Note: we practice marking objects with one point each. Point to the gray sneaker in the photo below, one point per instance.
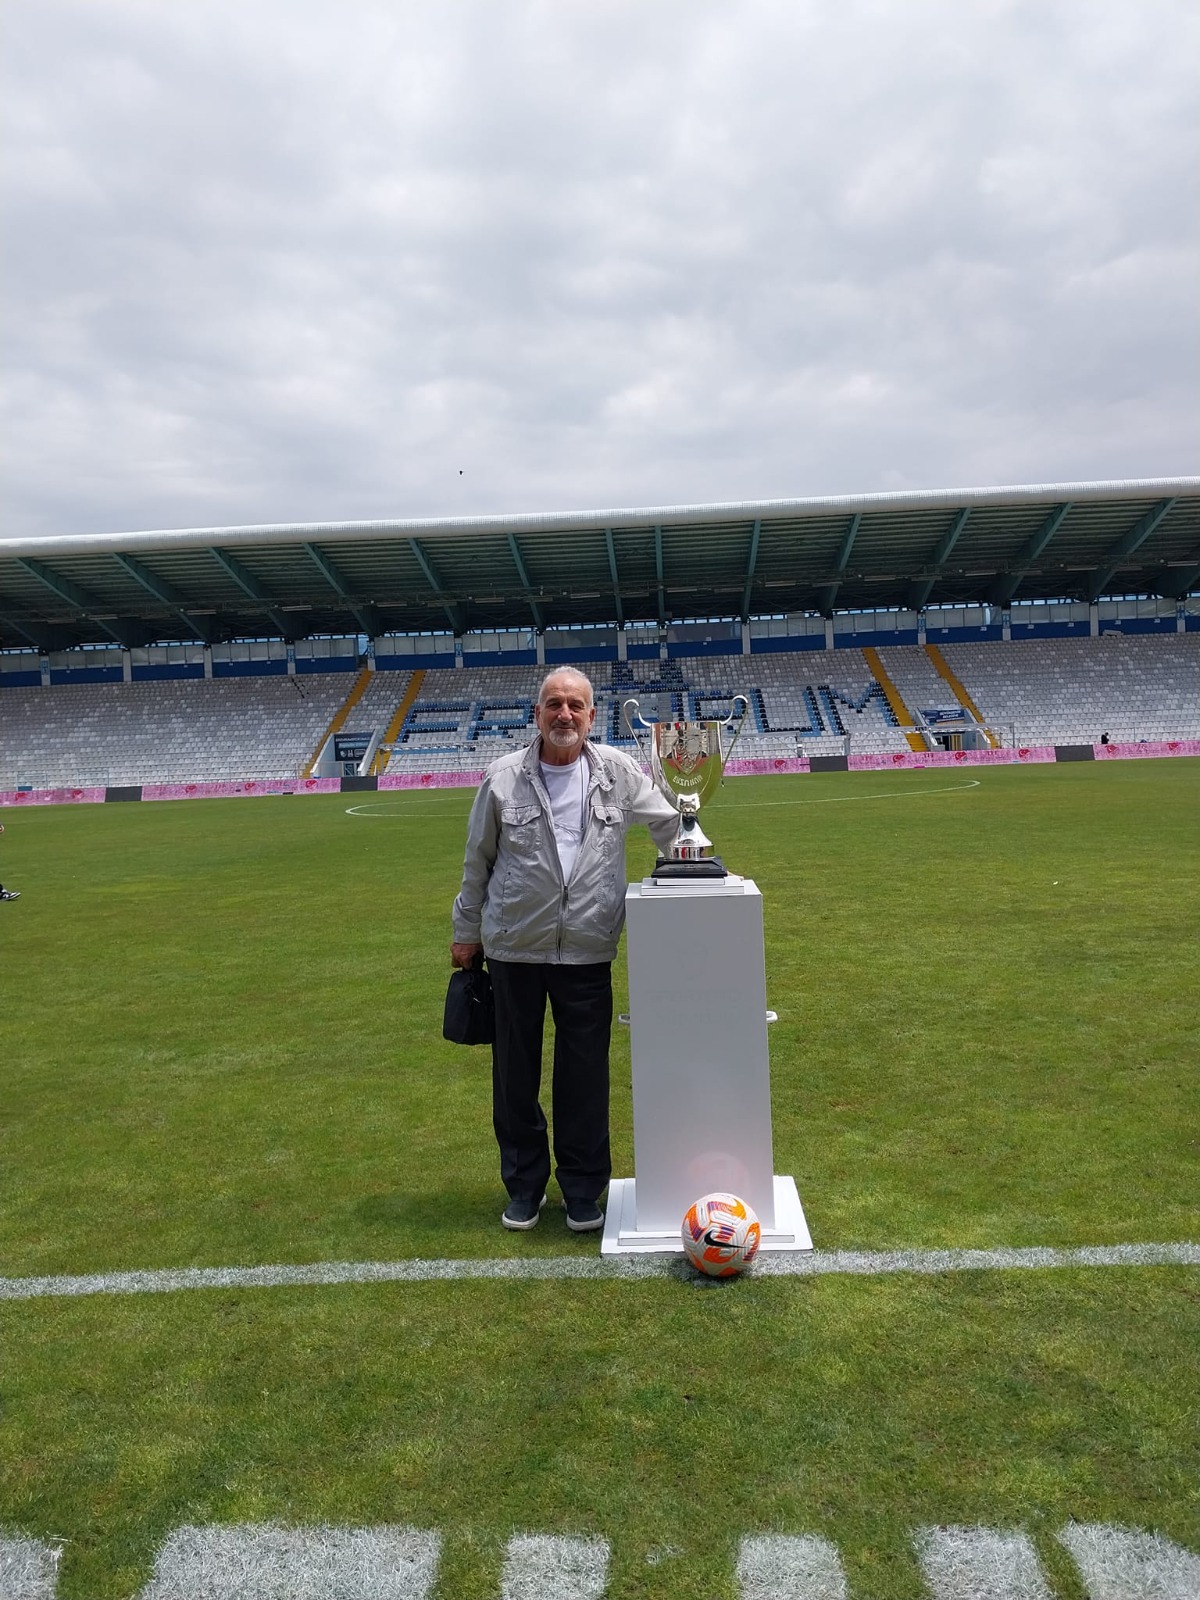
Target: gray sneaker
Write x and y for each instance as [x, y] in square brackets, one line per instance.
[583, 1216]
[522, 1214]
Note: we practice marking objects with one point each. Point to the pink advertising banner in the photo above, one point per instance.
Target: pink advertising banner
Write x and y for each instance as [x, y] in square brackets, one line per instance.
[431, 780]
[906, 760]
[896, 760]
[763, 766]
[1152, 747]
[91, 795]
[213, 790]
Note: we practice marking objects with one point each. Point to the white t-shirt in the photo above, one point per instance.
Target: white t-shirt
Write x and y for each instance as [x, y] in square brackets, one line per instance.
[567, 788]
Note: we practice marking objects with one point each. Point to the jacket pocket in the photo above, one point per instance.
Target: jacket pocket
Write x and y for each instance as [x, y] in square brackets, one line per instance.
[521, 830]
[609, 825]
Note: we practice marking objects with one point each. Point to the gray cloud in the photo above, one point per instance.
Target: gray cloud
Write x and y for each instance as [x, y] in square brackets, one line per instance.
[278, 260]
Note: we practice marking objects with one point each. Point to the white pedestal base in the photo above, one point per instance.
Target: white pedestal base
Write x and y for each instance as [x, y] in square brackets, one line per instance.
[622, 1236]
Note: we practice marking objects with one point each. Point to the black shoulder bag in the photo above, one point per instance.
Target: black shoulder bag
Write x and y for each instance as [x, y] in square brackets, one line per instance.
[470, 1015]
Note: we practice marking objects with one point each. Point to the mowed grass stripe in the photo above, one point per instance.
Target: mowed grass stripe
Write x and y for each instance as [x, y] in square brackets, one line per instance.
[221, 1033]
[220, 1043]
[781, 1264]
[857, 1408]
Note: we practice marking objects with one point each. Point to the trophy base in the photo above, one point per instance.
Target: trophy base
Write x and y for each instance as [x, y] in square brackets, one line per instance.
[707, 867]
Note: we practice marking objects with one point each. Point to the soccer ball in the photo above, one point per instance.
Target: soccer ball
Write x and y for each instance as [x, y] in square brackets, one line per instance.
[721, 1235]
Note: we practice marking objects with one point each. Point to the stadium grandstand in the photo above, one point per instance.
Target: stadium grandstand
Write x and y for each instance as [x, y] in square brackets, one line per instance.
[983, 624]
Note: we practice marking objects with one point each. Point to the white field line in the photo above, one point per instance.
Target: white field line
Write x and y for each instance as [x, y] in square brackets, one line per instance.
[790, 1567]
[374, 809]
[539, 1566]
[271, 1562]
[28, 1569]
[841, 799]
[981, 1564]
[1127, 1564]
[781, 1264]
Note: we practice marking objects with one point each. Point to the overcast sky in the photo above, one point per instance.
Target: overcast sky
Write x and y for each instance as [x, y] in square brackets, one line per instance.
[298, 260]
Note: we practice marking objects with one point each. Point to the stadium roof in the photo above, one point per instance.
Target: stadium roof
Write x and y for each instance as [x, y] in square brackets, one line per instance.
[667, 563]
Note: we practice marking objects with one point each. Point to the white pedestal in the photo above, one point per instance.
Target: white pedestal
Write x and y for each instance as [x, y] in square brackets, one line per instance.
[701, 1075]
[622, 1236]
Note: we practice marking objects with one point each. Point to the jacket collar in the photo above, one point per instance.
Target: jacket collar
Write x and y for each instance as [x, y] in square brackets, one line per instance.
[600, 776]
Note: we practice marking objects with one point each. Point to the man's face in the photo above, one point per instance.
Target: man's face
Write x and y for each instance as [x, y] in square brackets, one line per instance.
[564, 717]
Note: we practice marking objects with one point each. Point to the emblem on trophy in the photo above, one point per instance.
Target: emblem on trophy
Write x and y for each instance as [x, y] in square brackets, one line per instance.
[686, 761]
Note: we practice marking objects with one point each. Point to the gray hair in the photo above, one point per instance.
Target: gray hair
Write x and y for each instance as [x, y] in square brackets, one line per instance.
[567, 672]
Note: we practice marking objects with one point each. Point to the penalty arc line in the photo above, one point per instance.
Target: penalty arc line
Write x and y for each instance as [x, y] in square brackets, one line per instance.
[371, 809]
[782, 1264]
[841, 799]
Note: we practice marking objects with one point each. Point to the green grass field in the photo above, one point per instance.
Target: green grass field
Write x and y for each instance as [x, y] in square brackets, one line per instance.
[220, 1045]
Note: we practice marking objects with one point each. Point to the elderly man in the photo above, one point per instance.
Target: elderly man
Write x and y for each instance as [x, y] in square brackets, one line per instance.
[8, 894]
[543, 896]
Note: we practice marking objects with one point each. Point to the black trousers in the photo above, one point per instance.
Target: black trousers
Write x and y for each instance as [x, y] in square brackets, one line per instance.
[581, 1005]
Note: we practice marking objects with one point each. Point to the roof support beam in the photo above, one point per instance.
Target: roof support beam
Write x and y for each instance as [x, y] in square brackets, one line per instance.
[658, 569]
[539, 618]
[920, 591]
[365, 615]
[249, 585]
[1176, 582]
[1006, 584]
[616, 578]
[1125, 547]
[751, 563]
[40, 637]
[458, 621]
[66, 590]
[827, 594]
[170, 596]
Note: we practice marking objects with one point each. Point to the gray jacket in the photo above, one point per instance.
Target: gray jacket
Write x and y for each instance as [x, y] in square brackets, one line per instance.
[513, 899]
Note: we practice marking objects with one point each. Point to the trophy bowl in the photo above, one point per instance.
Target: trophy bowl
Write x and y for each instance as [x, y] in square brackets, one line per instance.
[687, 761]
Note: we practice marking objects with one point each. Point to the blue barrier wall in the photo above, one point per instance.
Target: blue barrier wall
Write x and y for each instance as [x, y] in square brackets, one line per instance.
[594, 652]
[249, 669]
[20, 680]
[963, 635]
[1050, 630]
[322, 664]
[165, 672]
[413, 663]
[704, 647]
[84, 675]
[807, 641]
[1138, 625]
[883, 637]
[498, 658]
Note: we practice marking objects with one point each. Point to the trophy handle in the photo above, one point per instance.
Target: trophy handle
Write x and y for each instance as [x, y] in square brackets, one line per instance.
[633, 731]
[741, 720]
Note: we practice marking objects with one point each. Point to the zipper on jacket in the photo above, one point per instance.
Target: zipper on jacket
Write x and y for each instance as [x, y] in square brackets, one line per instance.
[562, 917]
[543, 800]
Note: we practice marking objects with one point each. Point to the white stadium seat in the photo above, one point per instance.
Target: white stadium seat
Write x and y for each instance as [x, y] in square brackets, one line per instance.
[1041, 691]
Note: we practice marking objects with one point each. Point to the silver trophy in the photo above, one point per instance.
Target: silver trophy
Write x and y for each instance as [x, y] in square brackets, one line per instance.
[686, 762]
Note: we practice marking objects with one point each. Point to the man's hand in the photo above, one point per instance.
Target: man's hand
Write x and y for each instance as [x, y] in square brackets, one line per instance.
[463, 955]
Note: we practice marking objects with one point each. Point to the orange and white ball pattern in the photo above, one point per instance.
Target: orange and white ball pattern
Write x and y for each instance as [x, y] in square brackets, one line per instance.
[721, 1235]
